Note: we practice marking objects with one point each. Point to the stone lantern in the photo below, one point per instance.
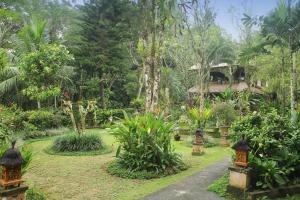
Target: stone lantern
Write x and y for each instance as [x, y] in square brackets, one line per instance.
[11, 179]
[241, 152]
[198, 143]
[240, 173]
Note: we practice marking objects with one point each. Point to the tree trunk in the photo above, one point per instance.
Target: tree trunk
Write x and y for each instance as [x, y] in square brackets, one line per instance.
[283, 82]
[156, 83]
[73, 120]
[39, 104]
[101, 90]
[55, 102]
[293, 89]
[141, 82]
[148, 83]
[167, 94]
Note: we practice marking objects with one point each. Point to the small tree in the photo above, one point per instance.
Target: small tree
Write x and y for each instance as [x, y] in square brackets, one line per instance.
[39, 71]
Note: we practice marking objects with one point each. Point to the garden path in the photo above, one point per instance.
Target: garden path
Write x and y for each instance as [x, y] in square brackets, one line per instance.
[193, 187]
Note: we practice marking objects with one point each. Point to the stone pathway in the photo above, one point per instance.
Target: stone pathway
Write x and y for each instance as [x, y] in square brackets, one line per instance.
[193, 187]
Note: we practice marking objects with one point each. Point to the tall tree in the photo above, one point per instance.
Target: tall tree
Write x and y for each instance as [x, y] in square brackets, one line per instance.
[155, 16]
[104, 31]
[39, 71]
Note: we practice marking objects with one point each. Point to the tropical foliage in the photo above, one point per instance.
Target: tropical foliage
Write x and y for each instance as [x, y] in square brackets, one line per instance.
[75, 142]
[274, 144]
[145, 144]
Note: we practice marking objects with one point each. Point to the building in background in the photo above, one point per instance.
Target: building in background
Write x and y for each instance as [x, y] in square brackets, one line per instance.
[224, 76]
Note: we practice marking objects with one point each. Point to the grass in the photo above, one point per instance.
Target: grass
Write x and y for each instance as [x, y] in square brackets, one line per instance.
[85, 177]
[220, 188]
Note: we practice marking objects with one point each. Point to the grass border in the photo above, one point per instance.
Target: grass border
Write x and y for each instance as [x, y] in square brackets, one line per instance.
[104, 150]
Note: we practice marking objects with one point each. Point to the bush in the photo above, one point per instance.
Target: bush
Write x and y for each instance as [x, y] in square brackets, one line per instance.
[275, 147]
[137, 103]
[41, 119]
[4, 133]
[33, 194]
[224, 113]
[46, 133]
[145, 145]
[104, 115]
[33, 120]
[75, 142]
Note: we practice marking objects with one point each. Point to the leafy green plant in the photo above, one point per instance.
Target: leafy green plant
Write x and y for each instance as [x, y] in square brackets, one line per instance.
[32, 121]
[27, 155]
[4, 133]
[145, 144]
[40, 71]
[199, 119]
[274, 143]
[137, 103]
[75, 142]
[224, 113]
[42, 119]
[103, 116]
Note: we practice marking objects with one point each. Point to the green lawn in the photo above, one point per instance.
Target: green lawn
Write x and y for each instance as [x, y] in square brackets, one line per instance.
[84, 177]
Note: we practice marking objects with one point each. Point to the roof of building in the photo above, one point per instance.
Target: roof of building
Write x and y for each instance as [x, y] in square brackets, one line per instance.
[242, 144]
[12, 157]
[220, 65]
[219, 88]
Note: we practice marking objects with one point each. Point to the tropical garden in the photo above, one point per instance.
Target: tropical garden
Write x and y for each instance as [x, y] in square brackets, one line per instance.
[117, 99]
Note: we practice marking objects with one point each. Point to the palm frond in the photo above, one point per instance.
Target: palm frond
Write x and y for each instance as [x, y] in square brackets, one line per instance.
[8, 84]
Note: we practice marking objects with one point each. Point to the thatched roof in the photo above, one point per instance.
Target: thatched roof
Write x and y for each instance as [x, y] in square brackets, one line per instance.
[242, 144]
[219, 88]
[12, 157]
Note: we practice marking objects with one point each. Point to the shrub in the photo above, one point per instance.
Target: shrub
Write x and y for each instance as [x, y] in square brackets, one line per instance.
[18, 120]
[145, 145]
[42, 119]
[4, 133]
[224, 113]
[104, 115]
[74, 142]
[34, 194]
[275, 147]
[137, 103]
[46, 133]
